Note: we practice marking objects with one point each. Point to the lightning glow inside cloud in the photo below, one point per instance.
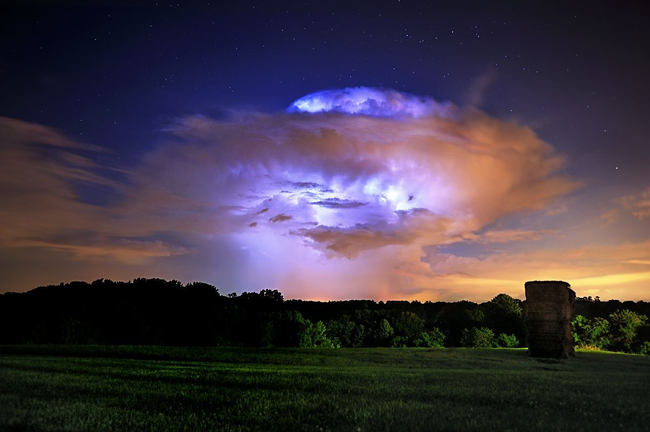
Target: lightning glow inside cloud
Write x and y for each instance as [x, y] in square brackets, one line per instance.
[351, 193]
[371, 102]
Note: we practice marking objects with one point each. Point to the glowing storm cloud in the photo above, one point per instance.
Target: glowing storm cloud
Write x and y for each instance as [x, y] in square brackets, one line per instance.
[369, 168]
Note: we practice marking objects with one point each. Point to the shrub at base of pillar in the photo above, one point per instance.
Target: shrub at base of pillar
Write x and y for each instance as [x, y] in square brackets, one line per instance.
[548, 311]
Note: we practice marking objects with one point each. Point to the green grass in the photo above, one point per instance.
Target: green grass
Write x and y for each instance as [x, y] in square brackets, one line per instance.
[192, 389]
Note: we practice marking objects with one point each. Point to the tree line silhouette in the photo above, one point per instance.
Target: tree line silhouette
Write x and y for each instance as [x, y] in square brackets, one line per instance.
[160, 312]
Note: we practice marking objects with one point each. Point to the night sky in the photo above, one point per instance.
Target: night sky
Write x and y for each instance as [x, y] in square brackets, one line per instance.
[385, 150]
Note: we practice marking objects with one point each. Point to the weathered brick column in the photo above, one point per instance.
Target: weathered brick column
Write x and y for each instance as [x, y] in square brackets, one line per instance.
[548, 311]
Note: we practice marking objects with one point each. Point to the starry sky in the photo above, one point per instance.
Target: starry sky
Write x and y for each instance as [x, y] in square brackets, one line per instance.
[330, 150]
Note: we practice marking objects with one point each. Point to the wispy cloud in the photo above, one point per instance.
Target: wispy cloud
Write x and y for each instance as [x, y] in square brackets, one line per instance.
[638, 204]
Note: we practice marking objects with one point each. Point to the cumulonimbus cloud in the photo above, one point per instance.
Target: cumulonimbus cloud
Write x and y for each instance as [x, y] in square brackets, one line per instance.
[368, 175]
[347, 182]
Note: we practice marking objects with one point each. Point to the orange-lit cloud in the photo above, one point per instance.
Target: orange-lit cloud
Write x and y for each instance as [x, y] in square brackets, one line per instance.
[638, 204]
[41, 207]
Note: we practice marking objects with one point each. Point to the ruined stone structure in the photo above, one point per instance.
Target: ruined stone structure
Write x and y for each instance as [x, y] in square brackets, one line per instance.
[548, 311]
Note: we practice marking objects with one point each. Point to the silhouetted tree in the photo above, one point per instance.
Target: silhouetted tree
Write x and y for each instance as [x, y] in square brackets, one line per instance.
[430, 339]
[625, 325]
[591, 332]
[383, 333]
[345, 332]
[478, 337]
[315, 336]
[503, 314]
[507, 341]
[408, 325]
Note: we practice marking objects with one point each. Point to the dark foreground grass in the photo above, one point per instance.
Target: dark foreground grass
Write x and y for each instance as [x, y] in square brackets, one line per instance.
[195, 389]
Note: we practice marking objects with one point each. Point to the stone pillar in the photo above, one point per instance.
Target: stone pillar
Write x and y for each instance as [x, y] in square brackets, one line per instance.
[548, 311]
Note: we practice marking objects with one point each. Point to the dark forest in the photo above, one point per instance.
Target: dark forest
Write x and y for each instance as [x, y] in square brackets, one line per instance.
[160, 312]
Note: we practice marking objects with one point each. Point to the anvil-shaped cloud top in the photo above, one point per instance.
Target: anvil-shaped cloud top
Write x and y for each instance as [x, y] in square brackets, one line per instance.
[370, 101]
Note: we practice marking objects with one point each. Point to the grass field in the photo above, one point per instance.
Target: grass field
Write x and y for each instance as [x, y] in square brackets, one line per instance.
[45, 388]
